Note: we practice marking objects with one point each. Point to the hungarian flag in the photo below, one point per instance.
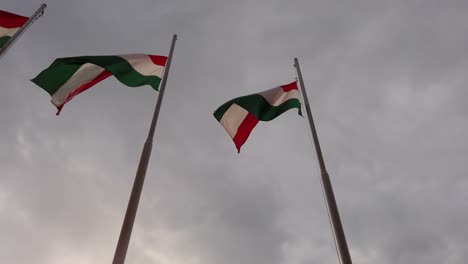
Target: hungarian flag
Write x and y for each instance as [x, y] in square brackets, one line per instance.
[9, 24]
[240, 115]
[68, 77]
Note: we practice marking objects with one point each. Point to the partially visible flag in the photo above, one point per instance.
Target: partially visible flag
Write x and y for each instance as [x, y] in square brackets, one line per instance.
[68, 77]
[9, 24]
[240, 115]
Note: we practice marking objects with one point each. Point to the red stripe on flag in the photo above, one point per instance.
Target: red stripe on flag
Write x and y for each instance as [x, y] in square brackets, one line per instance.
[289, 87]
[10, 20]
[84, 87]
[243, 132]
[158, 60]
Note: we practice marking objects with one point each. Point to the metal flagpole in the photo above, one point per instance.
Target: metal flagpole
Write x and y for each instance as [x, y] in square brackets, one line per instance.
[126, 231]
[325, 179]
[18, 34]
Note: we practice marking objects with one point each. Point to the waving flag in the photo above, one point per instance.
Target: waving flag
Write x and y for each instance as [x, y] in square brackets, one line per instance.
[240, 115]
[68, 77]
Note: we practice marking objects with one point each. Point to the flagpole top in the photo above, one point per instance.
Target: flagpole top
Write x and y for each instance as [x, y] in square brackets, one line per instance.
[296, 61]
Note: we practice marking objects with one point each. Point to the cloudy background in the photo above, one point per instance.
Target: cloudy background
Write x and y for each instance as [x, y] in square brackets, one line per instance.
[387, 82]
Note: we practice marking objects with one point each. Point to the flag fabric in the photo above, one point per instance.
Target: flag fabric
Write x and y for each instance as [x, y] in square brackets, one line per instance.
[240, 115]
[68, 77]
[9, 24]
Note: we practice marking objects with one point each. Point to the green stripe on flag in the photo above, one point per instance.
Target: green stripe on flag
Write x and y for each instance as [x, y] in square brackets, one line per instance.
[4, 40]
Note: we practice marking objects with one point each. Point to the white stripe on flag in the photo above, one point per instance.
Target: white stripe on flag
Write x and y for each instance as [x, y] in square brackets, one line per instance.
[233, 118]
[85, 74]
[8, 31]
[143, 64]
[277, 96]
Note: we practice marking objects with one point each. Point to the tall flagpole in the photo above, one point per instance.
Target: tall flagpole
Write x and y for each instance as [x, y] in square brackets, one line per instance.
[325, 179]
[127, 226]
[26, 25]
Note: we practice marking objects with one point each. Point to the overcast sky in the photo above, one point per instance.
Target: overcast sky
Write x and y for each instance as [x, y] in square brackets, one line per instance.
[387, 82]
